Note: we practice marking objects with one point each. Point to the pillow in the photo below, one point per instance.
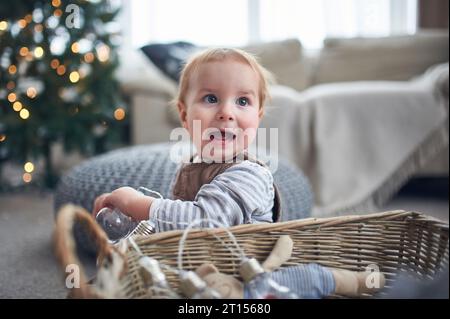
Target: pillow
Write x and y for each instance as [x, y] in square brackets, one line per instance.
[137, 73]
[170, 57]
[284, 59]
[394, 58]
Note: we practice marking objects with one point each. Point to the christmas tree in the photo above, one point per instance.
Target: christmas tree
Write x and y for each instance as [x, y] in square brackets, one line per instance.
[57, 85]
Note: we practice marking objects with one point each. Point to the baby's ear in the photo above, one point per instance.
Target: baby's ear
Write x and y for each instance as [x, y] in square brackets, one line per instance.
[182, 113]
[206, 269]
[261, 112]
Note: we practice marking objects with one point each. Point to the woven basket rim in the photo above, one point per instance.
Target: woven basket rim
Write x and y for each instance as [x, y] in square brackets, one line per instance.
[174, 235]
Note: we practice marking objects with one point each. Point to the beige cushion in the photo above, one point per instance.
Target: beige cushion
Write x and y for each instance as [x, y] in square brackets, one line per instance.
[136, 73]
[284, 59]
[389, 58]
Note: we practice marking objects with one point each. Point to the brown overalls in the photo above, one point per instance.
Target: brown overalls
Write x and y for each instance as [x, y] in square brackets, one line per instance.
[192, 176]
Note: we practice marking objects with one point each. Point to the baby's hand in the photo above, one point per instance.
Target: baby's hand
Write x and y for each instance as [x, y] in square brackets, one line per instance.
[126, 199]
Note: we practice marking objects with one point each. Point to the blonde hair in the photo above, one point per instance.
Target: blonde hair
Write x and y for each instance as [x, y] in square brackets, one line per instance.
[221, 54]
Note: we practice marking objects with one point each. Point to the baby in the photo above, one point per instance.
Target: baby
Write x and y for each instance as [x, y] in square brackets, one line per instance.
[220, 103]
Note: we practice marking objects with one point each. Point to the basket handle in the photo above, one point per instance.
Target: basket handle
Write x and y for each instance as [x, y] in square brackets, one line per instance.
[65, 245]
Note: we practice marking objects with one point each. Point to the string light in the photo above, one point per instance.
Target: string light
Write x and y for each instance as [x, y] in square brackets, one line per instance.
[103, 53]
[56, 3]
[83, 71]
[3, 25]
[38, 28]
[27, 177]
[74, 77]
[28, 18]
[119, 114]
[31, 92]
[10, 85]
[61, 70]
[12, 97]
[17, 106]
[22, 23]
[38, 52]
[28, 167]
[89, 57]
[23, 51]
[24, 114]
[2, 138]
[54, 63]
[57, 13]
[12, 69]
[75, 47]
[29, 57]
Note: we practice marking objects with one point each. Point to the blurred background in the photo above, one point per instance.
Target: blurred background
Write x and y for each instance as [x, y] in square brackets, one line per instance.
[73, 78]
[360, 100]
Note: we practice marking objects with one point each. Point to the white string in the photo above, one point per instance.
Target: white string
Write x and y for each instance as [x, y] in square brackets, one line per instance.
[198, 221]
[135, 246]
[143, 189]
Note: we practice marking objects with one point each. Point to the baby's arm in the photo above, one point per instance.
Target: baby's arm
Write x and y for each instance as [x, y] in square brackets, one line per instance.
[128, 200]
[243, 193]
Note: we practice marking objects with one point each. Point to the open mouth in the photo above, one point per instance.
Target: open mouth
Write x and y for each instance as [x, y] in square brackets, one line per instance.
[222, 136]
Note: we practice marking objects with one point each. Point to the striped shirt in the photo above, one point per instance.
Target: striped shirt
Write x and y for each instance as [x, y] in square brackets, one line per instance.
[242, 194]
[308, 281]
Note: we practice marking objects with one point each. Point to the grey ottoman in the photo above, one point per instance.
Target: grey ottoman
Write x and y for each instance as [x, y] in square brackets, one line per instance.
[151, 167]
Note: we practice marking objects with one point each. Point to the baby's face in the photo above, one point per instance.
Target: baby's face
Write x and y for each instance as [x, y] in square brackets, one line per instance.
[221, 110]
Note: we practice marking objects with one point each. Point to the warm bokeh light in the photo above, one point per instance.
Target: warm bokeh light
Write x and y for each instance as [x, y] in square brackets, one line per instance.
[3, 25]
[22, 23]
[2, 138]
[12, 97]
[103, 53]
[23, 51]
[38, 52]
[17, 106]
[10, 85]
[119, 114]
[29, 57]
[56, 3]
[24, 114]
[28, 18]
[31, 92]
[28, 167]
[54, 63]
[27, 177]
[89, 57]
[61, 70]
[12, 69]
[38, 28]
[75, 47]
[57, 13]
[74, 77]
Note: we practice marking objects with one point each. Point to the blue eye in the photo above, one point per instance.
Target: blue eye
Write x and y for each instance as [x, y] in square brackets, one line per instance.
[210, 98]
[243, 101]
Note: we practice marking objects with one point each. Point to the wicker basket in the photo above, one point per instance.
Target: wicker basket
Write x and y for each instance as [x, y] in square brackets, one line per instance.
[396, 241]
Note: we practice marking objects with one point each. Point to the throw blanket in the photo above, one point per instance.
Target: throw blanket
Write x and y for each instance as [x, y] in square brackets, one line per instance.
[359, 142]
